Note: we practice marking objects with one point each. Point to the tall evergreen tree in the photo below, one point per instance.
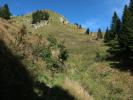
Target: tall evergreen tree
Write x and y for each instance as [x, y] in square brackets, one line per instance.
[131, 6]
[99, 34]
[88, 31]
[5, 12]
[107, 36]
[115, 27]
[126, 36]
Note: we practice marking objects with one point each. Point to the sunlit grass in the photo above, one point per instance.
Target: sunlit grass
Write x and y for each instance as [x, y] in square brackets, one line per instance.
[96, 77]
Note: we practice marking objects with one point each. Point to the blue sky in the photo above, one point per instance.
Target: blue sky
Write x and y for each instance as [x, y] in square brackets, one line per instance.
[89, 13]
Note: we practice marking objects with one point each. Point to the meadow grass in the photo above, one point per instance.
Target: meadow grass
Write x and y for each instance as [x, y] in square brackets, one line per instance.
[97, 78]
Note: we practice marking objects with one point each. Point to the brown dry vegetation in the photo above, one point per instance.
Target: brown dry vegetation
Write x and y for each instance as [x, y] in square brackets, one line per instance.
[76, 90]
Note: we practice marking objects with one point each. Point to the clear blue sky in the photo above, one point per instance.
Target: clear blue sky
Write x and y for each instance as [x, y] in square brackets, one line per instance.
[89, 13]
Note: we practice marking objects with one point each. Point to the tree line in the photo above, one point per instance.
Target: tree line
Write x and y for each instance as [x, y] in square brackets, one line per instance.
[99, 33]
[120, 36]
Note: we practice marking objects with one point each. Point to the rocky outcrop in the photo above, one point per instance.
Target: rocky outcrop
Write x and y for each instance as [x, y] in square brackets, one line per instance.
[41, 24]
[63, 20]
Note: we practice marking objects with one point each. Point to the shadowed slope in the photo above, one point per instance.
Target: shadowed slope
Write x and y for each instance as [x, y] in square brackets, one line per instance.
[16, 81]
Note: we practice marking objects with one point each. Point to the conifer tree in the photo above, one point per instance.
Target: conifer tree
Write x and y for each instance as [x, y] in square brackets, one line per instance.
[88, 31]
[121, 48]
[107, 36]
[99, 34]
[115, 27]
[5, 12]
[126, 36]
[131, 6]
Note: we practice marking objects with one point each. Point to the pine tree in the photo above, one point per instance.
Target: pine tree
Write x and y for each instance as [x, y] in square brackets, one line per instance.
[107, 36]
[115, 27]
[88, 31]
[99, 34]
[5, 12]
[111, 37]
[126, 36]
[131, 6]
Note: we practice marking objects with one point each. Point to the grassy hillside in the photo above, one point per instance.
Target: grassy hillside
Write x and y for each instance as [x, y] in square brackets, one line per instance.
[86, 76]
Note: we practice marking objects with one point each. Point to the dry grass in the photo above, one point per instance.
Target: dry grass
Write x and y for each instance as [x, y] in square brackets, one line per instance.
[7, 31]
[75, 89]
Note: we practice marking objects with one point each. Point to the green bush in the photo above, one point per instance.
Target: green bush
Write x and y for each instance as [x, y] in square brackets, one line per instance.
[55, 64]
[39, 15]
[99, 57]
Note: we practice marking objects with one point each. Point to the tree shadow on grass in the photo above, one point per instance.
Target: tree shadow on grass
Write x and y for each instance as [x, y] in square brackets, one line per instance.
[119, 61]
[123, 66]
[54, 93]
[17, 84]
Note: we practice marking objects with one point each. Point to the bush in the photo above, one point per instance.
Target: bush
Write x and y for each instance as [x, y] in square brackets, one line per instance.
[39, 16]
[99, 57]
[54, 54]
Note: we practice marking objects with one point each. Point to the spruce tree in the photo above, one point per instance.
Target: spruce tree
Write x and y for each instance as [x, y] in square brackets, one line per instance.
[5, 12]
[131, 6]
[126, 36]
[99, 34]
[121, 46]
[115, 27]
[107, 36]
[88, 31]
[112, 37]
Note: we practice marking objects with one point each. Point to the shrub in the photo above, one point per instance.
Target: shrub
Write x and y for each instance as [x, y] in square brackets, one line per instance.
[99, 57]
[63, 52]
[39, 15]
[54, 54]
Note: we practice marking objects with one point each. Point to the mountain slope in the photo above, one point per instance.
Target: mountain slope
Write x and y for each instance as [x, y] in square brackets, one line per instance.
[86, 71]
[22, 42]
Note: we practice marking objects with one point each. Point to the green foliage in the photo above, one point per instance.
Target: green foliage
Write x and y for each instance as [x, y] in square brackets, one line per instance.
[63, 52]
[99, 57]
[52, 41]
[5, 12]
[121, 48]
[126, 36]
[107, 36]
[54, 63]
[115, 26]
[115, 29]
[88, 31]
[99, 34]
[39, 15]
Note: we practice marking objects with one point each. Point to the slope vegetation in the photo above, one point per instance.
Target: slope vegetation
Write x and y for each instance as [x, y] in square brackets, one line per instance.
[86, 72]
